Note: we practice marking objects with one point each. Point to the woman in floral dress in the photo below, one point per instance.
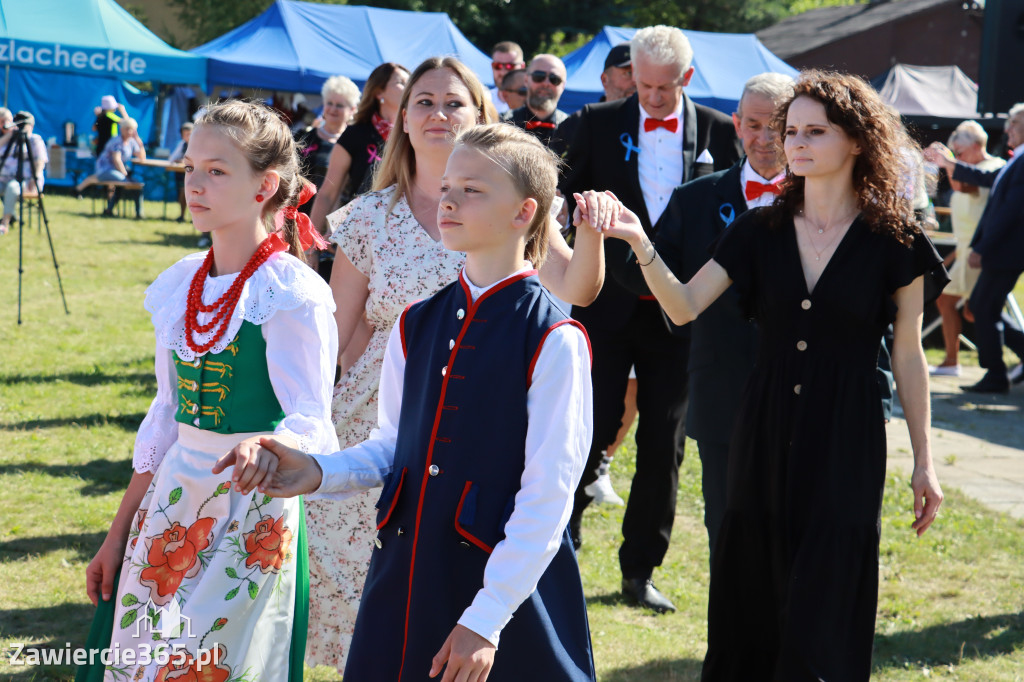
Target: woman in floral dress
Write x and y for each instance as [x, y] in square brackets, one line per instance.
[200, 578]
[389, 255]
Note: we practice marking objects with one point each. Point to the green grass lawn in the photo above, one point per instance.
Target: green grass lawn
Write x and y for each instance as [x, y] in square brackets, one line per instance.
[73, 389]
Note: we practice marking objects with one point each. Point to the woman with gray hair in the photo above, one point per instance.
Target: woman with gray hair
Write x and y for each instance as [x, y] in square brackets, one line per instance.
[966, 205]
[340, 98]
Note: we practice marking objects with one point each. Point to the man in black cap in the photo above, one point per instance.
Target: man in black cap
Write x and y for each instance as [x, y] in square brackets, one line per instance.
[617, 77]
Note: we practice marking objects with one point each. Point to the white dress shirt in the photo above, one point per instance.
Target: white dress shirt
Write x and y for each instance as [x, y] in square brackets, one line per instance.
[751, 175]
[559, 407]
[660, 162]
[294, 309]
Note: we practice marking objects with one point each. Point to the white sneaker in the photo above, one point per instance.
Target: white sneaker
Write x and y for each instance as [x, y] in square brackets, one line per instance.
[602, 492]
[944, 370]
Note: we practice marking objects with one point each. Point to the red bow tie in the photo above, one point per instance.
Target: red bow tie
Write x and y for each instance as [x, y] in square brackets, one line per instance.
[530, 125]
[670, 125]
[755, 189]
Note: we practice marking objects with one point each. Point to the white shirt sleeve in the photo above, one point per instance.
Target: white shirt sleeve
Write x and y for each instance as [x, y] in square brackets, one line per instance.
[560, 411]
[304, 381]
[364, 466]
[158, 430]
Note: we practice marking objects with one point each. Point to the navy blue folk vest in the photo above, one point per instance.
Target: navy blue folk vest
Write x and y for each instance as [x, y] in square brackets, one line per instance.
[459, 459]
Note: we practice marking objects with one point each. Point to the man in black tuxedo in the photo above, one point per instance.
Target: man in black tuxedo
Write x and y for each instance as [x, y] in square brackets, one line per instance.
[723, 342]
[641, 148]
[998, 249]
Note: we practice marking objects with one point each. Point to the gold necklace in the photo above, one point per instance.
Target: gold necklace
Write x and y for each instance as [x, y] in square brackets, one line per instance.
[810, 240]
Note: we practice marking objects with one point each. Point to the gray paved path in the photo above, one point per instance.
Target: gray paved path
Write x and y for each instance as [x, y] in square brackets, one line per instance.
[977, 442]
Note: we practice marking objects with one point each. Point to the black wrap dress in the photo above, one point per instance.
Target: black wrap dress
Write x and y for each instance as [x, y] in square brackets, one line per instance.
[794, 577]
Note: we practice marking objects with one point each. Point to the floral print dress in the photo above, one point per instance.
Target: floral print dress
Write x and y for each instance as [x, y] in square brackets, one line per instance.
[213, 584]
[404, 264]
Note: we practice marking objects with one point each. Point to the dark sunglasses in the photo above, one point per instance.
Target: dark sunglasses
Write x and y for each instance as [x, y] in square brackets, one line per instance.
[522, 92]
[506, 66]
[539, 76]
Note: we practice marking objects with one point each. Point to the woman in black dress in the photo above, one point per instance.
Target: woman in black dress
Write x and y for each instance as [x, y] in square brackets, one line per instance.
[835, 260]
[362, 143]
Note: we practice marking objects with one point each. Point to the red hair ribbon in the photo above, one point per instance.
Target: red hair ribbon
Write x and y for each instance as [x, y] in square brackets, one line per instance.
[308, 235]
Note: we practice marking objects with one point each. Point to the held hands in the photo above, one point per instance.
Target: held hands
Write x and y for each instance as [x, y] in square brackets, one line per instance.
[269, 463]
[469, 656]
[598, 210]
[611, 217]
[927, 498]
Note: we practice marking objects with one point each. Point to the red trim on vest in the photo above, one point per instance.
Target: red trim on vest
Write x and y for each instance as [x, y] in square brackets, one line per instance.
[540, 346]
[394, 499]
[648, 298]
[462, 531]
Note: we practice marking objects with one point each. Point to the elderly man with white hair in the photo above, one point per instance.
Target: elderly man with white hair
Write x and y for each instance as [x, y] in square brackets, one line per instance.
[641, 148]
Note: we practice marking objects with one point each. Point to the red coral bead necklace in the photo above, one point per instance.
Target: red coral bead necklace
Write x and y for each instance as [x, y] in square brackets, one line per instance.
[225, 305]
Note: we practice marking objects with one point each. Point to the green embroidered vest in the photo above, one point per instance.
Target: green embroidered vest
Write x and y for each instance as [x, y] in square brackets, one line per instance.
[230, 391]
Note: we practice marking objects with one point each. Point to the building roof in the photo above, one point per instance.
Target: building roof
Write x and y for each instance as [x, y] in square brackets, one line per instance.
[814, 28]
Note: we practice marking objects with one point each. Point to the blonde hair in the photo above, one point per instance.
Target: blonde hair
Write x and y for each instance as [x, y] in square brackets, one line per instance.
[399, 163]
[662, 45]
[262, 136]
[532, 167]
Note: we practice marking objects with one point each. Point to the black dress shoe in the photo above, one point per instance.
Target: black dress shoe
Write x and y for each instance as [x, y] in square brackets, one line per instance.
[644, 593]
[988, 385]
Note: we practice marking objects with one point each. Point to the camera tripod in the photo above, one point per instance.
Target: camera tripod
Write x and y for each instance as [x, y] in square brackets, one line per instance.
[19, 144]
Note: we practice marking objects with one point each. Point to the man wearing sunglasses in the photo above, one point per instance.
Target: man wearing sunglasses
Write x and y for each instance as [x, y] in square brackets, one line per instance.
[506, 56]
[641, 148]
[513, 88]
[544, 87]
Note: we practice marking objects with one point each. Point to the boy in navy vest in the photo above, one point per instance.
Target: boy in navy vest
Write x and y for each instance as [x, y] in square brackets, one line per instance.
[484, 426]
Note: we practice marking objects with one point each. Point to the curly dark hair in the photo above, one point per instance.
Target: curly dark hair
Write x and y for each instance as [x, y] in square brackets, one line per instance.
[881, 169]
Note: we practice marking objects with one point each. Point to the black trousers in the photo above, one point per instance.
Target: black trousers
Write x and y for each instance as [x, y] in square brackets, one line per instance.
[660, 362]
[991, 328]
[714, 463]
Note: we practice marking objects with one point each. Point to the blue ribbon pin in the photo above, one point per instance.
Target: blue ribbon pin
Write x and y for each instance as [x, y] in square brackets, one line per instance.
[627, 142]
[727, 213]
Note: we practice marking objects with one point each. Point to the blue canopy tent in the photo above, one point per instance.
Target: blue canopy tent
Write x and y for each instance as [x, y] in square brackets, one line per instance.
[723, 61]
[295, 46]
[61, 56]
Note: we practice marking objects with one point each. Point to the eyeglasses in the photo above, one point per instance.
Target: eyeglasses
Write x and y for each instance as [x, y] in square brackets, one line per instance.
[539, 76]
[506, 66]
[522, 92]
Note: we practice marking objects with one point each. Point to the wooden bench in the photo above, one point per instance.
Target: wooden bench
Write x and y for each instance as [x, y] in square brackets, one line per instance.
[112, 186]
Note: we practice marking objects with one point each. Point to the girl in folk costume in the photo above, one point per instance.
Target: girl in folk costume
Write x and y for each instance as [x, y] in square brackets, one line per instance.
[197, 579]
[485, 422]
